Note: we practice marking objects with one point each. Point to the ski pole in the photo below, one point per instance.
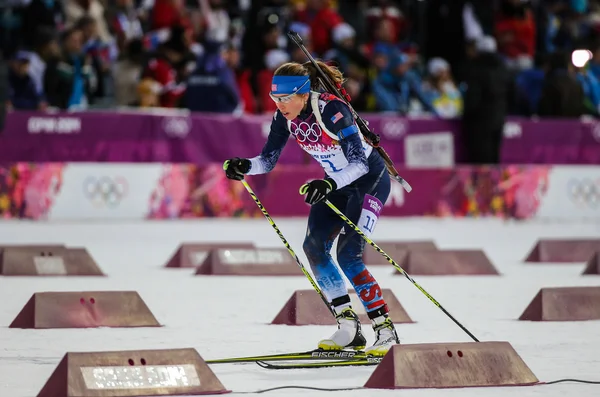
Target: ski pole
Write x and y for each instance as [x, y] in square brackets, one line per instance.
[287, 245]
[393, 262]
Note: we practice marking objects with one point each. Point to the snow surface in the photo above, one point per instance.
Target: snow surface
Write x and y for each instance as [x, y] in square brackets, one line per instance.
[230, 316]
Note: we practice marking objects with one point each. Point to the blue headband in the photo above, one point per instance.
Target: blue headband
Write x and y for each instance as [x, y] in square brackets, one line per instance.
[290, 85]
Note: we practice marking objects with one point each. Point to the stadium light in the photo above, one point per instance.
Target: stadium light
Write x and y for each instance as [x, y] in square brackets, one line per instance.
[580, 57]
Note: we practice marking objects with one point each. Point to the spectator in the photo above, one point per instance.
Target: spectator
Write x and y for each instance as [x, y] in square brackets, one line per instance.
[212, 87]
[385, 10]
[591, 90]
[167, 14]
[384, 89]
[162, 68]
[45, 49]
[562, 95]
[345, 50]
[485, 102]
[148, 93]
[39, 14]
[441, 90]
[127, 74]
[322, 19]
[353, 12]
[102, 54]
[76, 9]
[385, 42]
[371, 41]
[396, 80]
[515, 34]
[3, 91]
[528, 89]
[69, 79]
[594, 63]
[478, 19]
[270, 40]
[10, 27]
[263, 16]
[353, 63]
[217, 20]
[246, 94]
[548, 26]
[296, 54]
[125, 23]
[23, 94]
[273, 59]
[444, 32]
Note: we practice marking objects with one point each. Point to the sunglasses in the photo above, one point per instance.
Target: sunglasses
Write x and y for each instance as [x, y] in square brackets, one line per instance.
[286, 98]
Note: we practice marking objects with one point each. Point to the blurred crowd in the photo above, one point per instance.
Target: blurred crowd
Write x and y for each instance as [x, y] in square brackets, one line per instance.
[444, 58]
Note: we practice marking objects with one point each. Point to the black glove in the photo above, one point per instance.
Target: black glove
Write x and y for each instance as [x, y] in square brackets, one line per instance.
[317, 190]
[236, 167]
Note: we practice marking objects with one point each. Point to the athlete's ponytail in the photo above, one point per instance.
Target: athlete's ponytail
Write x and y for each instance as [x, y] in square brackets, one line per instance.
[331, 72]
[308, 69]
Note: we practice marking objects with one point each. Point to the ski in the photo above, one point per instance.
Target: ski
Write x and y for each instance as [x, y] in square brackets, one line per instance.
[323, 364]
[317, 354]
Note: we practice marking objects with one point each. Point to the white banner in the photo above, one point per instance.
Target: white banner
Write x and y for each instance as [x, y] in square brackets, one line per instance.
[435, 150]
[105, 191]
[573, 194]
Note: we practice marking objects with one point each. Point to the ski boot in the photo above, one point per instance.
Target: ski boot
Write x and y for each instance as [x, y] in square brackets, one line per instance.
[385, 337]
[349, 334]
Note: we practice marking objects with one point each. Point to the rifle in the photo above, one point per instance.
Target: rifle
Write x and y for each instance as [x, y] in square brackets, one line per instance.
[337, 89]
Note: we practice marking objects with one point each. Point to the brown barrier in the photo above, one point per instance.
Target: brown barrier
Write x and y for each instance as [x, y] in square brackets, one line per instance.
[397, 250]
[564, 304]
[444, 365]
[563, 251]
[88, 309]
[132, 373]
[249, 262]
[593, 264]
[305, 307]
[47, 261]
[191, 255]
[448, 262]
[41, 247]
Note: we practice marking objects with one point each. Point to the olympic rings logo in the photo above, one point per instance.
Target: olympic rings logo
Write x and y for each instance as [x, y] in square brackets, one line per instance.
[177, 127]
[394, 128]
[584, 192]
[306, 132]
[105, 191]
[596, 132]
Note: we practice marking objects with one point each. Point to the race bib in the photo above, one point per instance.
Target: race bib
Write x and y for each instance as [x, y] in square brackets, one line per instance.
[370, 214]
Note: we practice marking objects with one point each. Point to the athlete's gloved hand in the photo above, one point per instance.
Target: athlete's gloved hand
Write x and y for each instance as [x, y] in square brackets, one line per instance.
[317, 190]
[236, 167]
